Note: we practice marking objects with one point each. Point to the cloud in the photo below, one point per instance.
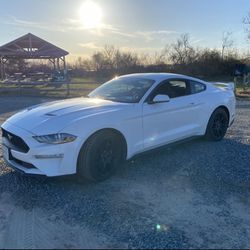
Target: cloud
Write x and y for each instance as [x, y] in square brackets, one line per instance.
[155, 34]
[90, 45]
[70, 24]
[14, 21]
[66, 25]
[77, 24]
[74, 24]
[195, 41]
[124, 34]
[147, 50]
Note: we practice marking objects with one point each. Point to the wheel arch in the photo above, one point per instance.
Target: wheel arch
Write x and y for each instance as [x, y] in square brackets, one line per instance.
[209, 134]
[115, 132]
[225, 108]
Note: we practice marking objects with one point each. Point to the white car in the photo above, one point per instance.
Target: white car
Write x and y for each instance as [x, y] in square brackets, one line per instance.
[124, 117]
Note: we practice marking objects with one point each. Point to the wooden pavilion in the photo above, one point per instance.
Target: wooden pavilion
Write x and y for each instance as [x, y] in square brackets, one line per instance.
[30, 46]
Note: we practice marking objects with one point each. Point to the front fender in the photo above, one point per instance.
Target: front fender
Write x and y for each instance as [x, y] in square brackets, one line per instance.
[130, 127]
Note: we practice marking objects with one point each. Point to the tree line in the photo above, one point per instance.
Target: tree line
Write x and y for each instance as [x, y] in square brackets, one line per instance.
[179, 57]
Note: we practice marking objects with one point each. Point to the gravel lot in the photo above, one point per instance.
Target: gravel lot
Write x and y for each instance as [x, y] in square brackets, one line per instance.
[195, 194]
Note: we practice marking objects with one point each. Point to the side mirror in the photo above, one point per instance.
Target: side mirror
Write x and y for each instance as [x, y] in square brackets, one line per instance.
[160, 99]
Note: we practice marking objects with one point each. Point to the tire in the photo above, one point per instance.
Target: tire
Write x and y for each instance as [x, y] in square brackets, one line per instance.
[217, 125]
[100, 156]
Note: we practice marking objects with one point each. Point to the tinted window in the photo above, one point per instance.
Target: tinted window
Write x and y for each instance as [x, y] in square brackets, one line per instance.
[172, 88]
[124, 89]
[197, 87]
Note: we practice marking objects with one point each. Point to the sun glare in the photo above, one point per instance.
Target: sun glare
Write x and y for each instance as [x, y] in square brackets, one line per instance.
[91, 15]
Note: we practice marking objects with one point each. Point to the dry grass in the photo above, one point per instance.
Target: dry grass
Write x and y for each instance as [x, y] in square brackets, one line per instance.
[77, 87]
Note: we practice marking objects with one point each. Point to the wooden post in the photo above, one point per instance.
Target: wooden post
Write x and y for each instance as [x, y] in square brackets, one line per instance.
[235, 85]
[54, 64]
[52, 60]
[64, 63]
[68, 89]
[65, 74]
[1, 67]
[57, 63]
[30, 45]
[4, 62]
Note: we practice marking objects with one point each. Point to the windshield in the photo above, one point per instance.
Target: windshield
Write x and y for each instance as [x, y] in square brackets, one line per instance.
[125, 89]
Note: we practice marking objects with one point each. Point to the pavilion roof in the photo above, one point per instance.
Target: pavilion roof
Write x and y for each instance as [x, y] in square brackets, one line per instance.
[30, 46]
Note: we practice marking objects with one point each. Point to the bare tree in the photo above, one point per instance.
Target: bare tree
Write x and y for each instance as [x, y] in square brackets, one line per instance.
[246, 21]
[227, 43]
[98, 61]
[156, 58]
[179, 57]
[160, 57]
[110, 54]
[182, 52]
[145, 59]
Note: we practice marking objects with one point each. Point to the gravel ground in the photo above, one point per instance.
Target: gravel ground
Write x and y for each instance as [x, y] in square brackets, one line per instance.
[194, 195]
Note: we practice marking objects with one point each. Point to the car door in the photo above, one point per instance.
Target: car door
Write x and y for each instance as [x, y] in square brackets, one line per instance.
[170, 121]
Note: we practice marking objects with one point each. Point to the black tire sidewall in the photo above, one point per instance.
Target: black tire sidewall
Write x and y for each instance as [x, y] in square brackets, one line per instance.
[87, 166]
[209, 132]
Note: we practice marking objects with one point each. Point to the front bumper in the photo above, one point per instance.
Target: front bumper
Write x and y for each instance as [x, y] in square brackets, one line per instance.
[41, 159]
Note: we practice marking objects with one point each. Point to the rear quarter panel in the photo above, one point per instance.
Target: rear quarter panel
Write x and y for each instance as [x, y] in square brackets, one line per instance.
[216, 97]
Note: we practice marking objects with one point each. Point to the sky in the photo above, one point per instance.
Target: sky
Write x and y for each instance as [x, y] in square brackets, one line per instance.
[85, 26]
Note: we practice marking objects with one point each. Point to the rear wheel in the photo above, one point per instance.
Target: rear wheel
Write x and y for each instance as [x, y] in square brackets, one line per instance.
[100, 156]
[217, 125]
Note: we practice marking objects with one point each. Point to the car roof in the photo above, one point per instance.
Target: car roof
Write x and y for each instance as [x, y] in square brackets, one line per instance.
[160, 76]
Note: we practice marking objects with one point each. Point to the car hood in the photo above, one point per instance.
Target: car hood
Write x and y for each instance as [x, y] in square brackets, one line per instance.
[60, 113]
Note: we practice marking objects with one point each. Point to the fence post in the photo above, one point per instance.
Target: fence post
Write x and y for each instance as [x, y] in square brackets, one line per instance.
[68, 88]
[20, 87]
[235, 85]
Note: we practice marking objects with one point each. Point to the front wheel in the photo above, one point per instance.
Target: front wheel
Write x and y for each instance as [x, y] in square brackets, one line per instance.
[100, 156]
[217, 125]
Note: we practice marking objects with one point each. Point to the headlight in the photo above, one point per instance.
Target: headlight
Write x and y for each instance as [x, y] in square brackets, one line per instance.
[55, 138]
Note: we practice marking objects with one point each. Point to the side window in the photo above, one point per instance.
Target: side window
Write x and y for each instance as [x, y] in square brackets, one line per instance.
[197, 87]
[178, 88]
[172, 88]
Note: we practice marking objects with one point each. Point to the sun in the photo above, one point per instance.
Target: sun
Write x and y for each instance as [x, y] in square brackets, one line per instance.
[91, 15]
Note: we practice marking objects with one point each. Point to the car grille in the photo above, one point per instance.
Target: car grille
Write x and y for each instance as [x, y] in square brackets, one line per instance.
[16, 141]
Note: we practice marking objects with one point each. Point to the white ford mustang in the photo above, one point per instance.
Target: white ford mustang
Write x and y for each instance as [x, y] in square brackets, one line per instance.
[124, 117]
